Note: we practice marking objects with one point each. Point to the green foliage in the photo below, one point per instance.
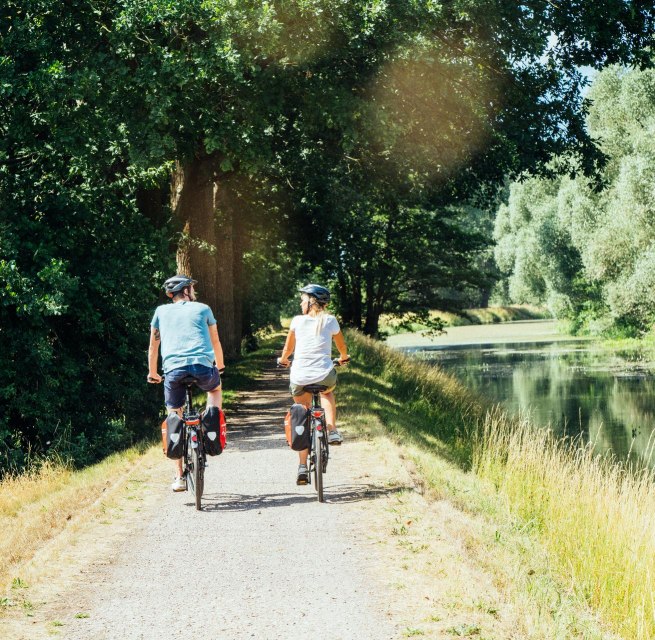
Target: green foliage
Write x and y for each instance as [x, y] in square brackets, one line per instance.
[432, 109]
[77, 259]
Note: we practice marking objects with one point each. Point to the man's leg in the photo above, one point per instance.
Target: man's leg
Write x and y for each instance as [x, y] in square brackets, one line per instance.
[179, 469]
[215, 397]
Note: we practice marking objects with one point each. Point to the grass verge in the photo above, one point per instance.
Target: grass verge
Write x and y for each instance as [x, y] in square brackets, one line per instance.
[573, 532]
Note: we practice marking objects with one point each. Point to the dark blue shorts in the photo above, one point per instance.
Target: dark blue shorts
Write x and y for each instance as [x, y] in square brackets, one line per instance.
[175, 382]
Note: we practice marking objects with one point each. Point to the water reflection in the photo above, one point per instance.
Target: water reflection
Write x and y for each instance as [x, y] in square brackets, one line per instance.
[573, 387]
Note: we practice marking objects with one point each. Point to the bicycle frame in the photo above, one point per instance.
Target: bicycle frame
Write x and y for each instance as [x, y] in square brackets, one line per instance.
[192, 434]
[191, 421]
[317, 421]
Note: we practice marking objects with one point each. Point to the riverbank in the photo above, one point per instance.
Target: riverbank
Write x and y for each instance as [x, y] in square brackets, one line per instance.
[565, 518]
[392, 563]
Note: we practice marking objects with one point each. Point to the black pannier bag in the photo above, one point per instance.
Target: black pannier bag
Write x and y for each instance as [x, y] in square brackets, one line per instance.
[297, 427]
[174, 442]
[212, 435]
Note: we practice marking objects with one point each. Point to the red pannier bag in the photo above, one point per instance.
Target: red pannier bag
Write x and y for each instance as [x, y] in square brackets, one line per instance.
[214, 430]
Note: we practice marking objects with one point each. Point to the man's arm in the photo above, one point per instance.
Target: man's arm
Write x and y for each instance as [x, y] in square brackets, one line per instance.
[153, 355]
[216, 345]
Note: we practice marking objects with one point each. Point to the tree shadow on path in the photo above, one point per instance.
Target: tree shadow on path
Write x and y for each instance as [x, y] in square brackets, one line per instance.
[338, 494]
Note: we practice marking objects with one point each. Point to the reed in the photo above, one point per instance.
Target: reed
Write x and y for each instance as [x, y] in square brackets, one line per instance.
[594, 516]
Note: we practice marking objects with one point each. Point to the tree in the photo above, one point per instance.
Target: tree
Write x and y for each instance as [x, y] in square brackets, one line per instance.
[429, 120]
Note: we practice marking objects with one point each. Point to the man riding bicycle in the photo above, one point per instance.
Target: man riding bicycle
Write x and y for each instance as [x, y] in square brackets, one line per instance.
[190, 349]
[310, 336]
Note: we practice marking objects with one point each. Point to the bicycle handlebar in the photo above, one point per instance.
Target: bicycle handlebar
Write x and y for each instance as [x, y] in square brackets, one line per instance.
[336, 362]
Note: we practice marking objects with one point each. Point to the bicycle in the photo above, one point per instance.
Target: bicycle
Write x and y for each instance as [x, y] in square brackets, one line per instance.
[194, 456]
[319, 449]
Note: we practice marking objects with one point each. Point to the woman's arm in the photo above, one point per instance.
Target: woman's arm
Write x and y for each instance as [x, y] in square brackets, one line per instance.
[289, 347]
[340, 341]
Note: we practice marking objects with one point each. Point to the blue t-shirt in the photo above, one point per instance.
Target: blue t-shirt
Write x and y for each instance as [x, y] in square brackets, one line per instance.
[184, 328]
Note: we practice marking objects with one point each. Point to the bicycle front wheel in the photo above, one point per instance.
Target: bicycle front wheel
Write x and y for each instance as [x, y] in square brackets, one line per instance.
[318, 463]
[198, 474]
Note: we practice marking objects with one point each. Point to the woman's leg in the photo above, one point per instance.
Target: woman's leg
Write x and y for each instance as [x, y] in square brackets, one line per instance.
[306, 400]
[329, 404]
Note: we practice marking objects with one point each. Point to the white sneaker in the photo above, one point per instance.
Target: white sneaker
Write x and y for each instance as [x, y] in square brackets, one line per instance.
[179, 484]
[334, 437]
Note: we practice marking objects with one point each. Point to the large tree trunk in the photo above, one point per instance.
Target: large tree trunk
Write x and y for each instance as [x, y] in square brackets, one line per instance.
[241, 245]
[205, 248]
[230, 331]
[350, 294]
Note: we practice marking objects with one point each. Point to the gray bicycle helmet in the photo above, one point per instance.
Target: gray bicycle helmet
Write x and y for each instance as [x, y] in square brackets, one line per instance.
[177, 283]
[321, 294]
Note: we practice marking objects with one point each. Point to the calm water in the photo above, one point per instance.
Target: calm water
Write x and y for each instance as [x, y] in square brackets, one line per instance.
[571, 386]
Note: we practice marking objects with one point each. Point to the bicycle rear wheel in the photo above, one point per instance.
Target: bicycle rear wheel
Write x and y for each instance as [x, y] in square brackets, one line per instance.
[198, 474]
[188, 463]
[318, 463]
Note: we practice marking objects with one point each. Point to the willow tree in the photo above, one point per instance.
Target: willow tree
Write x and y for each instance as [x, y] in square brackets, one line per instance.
[585, 248]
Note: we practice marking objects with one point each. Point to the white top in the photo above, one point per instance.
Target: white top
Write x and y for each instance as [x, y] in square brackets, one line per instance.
[312, 360]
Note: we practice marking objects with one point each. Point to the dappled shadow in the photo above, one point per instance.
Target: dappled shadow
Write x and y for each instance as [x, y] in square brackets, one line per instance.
[337, 494]
[249, 502]
[254, 423]
[346, 493]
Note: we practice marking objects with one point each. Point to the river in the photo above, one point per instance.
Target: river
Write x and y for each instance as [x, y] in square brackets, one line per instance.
[572, 385]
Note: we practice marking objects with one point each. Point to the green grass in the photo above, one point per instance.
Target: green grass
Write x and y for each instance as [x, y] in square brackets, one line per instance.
[579, 527]
[414, 401]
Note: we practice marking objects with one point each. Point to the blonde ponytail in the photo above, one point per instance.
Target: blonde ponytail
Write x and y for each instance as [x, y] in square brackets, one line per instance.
[320, 316]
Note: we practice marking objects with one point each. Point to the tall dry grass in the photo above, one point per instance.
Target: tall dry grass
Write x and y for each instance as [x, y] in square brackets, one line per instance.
[595, 517]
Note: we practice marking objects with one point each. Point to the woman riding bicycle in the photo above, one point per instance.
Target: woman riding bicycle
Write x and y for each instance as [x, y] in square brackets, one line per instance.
[310, 336]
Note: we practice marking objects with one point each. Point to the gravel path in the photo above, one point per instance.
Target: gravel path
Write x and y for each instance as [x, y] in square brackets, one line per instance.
[262, 560]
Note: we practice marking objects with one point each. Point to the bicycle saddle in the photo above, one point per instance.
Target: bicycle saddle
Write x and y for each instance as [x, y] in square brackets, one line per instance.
[315, 388]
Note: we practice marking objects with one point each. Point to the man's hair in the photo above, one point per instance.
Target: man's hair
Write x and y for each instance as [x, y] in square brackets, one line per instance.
[182, 292]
